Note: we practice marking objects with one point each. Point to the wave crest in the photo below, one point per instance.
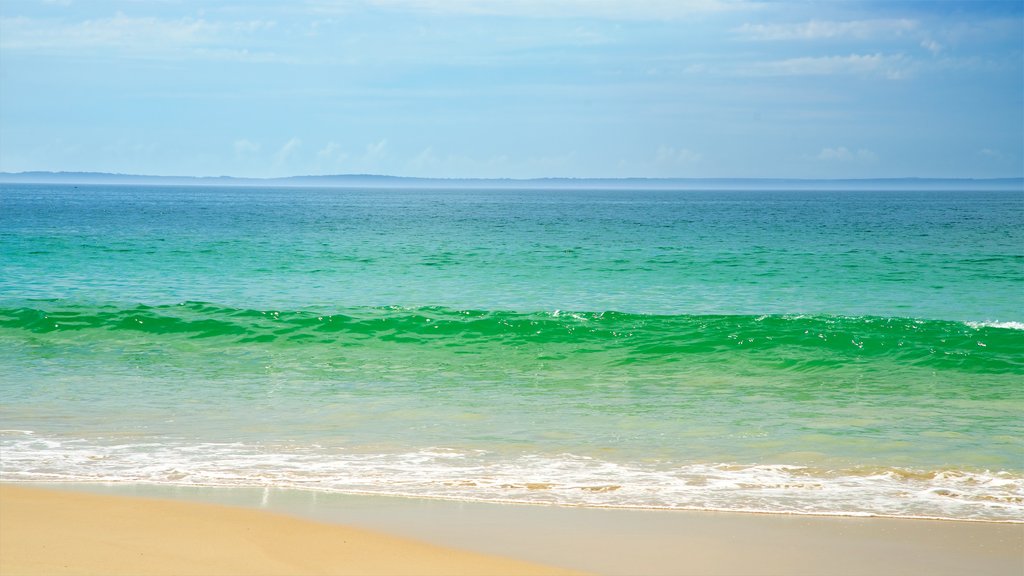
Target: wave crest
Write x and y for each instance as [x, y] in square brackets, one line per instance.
[797, 342]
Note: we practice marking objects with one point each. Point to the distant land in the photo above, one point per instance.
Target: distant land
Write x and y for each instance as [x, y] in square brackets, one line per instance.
[375, 181]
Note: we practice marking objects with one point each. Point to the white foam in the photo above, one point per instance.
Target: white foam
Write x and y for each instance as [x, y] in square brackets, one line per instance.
[564, 479]
[996, 324]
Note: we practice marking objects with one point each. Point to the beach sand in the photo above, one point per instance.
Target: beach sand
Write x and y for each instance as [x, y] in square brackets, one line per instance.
[192, 530]
[54, 532]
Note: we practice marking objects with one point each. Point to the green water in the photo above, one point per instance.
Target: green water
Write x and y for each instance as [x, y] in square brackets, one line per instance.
[841, 353]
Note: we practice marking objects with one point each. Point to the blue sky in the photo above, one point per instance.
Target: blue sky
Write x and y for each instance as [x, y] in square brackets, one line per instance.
[514, 88]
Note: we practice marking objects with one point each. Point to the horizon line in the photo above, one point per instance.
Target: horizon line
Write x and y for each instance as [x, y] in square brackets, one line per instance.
[95, 174]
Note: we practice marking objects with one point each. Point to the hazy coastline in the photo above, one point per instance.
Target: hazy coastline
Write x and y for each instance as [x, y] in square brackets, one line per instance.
[555, 183]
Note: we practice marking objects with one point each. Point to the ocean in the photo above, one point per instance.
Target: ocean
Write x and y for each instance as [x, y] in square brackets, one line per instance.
[809, 352]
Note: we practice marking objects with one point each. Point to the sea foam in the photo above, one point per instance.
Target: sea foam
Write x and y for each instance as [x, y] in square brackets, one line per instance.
[559, 479]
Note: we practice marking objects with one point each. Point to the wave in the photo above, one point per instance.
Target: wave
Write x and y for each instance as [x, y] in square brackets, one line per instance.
[564, 479]
[798, 342]
[997, 324]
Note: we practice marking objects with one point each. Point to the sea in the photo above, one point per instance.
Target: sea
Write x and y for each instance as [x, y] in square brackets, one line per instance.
[852, 353]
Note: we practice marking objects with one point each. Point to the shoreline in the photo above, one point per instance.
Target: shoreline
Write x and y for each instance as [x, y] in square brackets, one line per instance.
[112, 487]
[617, 540]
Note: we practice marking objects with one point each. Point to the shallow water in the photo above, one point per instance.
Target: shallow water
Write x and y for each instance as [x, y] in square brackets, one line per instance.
[819, 352]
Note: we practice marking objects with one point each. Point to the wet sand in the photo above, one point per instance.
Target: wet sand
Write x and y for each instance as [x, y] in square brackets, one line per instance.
[611, 541]
[45, 532]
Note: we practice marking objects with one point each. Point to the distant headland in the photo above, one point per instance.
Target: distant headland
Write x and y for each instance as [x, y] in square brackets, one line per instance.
[381, 181]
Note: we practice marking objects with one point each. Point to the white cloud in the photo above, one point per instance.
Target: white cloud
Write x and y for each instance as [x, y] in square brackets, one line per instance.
[137, 37]
[892, 66]
[844, 154]
[542, 166]
[286, 151]
[426, 159]
[431, 163]
[245, 148]
[826, 29]
[375, 150]
[600, 9]
[991, 154]
[669, 155]
[931, 46]
[332, 153]
[239, 55]
[119, 30]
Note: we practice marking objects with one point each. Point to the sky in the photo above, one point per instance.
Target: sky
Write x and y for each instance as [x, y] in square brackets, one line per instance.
[514, 88]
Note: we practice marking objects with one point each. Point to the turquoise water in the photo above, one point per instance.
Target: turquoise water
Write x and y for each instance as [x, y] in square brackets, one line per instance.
[808, 352]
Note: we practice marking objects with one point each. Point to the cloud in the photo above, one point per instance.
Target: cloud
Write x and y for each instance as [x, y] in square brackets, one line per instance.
[991, 154]
[668, 155]
[119, 30]
[375, 150]
[245, 148]
[425, 159]
[931, 46]
[826, 29]
[137, 37]
[892, 66]
[432, 163]
[555, 163]
[844, 154]
[332, 153]
[287, 151]
[597, 9]
[239, 55]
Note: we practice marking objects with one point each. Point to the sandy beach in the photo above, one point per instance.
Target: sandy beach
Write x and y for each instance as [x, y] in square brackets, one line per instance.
[57, 532]
[97, 529]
